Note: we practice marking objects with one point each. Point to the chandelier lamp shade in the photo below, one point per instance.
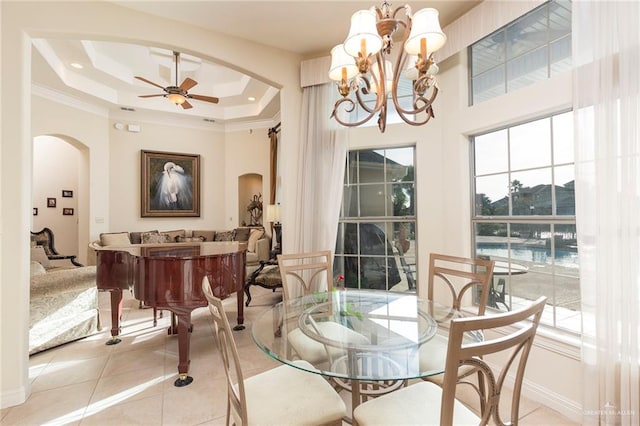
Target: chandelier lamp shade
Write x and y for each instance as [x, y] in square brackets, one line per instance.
[363, 65]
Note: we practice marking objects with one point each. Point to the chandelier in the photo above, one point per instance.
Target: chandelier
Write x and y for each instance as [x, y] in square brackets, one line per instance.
[362, 64]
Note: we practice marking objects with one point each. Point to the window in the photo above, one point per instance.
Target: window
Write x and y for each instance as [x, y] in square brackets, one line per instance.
[376, 244]
[535, 47]
[524, 216]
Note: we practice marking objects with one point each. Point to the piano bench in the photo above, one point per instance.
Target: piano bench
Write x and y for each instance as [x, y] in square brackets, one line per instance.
[266, 276]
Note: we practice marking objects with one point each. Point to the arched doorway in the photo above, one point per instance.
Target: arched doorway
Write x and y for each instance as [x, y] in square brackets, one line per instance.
[60, 197]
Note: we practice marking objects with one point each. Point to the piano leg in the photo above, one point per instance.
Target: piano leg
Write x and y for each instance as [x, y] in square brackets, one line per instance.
[240, 297]
[184, 334]
[116, 313]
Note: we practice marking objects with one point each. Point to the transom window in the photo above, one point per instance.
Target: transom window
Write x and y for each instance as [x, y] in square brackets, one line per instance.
[376, 244]
[535, 47]
[524, 216]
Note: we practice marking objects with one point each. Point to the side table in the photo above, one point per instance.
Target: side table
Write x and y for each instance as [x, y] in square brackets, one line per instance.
[266, 276]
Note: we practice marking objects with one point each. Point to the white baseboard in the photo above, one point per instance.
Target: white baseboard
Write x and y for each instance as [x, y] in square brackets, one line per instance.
[567, 407]
[13, 397]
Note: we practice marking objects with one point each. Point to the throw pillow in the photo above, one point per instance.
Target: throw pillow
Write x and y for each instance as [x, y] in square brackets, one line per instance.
[37, 269]
[180, 239]
[39, 256]
[224, 236]
[254, 236]
[207, 235]
[136, 237]
[176, 233]
[242, 234]
[151, 238]
[115, 239]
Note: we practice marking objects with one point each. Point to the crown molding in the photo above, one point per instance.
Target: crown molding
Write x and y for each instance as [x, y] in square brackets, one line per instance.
[64, 99]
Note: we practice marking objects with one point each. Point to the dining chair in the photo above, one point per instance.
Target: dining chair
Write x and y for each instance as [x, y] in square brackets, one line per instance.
[284, 395]
[309, 273]
[426, 403]
[456, 276]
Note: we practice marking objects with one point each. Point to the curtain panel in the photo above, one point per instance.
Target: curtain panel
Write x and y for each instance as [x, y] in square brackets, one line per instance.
[606, 51]
[320, 174]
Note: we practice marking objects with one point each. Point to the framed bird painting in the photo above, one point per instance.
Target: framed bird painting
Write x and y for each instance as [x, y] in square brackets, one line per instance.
[169, 184]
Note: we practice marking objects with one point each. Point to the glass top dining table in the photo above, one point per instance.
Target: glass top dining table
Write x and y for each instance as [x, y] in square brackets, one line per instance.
[394, 333]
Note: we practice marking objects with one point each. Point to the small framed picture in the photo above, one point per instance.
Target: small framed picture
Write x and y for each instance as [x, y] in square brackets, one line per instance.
[35, 211]
[67, 211]
[67, 194]
[51, 202]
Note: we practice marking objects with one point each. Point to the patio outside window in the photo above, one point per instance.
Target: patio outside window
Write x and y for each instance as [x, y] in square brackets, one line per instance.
[376, 244]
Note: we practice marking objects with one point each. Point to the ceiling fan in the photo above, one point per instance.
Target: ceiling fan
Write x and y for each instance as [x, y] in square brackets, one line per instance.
[178, 94]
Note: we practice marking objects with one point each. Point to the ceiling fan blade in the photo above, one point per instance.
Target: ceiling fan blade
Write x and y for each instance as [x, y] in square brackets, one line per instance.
[149, 82]
[187, 84]
[186, 105]
[150, 96]
[204, 98]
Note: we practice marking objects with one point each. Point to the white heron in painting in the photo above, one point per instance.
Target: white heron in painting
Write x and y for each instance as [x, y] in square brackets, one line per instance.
[174, 189]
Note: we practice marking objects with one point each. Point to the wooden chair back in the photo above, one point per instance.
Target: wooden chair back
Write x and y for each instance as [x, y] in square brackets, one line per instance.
[460, 274]
[230, 358]
[520, 326]
[305, 273]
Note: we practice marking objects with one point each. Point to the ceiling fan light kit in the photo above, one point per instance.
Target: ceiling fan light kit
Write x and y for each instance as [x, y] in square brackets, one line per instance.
[178, 94]
[360, 65]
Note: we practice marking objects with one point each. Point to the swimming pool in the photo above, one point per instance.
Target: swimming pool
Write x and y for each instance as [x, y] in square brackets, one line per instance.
[563, 257]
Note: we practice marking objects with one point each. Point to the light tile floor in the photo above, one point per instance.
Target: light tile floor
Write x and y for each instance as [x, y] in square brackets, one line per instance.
[131, 383]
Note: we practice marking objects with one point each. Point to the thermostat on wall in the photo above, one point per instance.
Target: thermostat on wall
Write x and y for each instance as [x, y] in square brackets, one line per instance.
[118, 126]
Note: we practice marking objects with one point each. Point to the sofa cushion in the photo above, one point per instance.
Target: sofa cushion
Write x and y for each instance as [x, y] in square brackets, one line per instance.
[115, 239]
[242, 234]
[208, 235]
[252, 258]
[174, 234]
[37, 269]
[180, 239]
[224, 236]
[136, 237]
[39, 256]
[254, 236]
[151, 238]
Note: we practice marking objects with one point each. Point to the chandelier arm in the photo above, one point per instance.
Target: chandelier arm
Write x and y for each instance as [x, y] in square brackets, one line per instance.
[349, 109]
[428, 107]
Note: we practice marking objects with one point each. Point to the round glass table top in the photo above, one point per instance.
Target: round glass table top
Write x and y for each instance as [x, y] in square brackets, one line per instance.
[358, 334]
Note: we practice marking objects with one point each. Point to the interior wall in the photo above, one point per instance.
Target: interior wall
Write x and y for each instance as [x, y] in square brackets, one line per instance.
[88, 130]
[247, 153]
[56, 166]
[125, 175]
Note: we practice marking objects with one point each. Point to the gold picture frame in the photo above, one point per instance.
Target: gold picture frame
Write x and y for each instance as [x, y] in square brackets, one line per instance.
[169, 184]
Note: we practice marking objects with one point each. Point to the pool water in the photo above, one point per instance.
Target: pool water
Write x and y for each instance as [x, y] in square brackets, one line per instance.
[563, 257]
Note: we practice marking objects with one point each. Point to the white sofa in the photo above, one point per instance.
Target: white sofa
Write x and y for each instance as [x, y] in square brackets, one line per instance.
[63, 306]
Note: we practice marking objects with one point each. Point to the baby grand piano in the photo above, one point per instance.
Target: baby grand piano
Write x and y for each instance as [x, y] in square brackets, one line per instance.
[169, 276]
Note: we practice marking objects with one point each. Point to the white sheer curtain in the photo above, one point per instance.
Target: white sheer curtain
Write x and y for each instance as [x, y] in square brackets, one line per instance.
[320, 173]
[606, 51]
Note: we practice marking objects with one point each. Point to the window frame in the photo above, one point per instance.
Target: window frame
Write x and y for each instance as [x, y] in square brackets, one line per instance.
[552, 220]
[386, 222]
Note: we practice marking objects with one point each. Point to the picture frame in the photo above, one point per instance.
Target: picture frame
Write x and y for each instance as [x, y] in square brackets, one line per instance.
[35, 211]
[67, 193]
[169, 184]
[67, 211]
[51, 202]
